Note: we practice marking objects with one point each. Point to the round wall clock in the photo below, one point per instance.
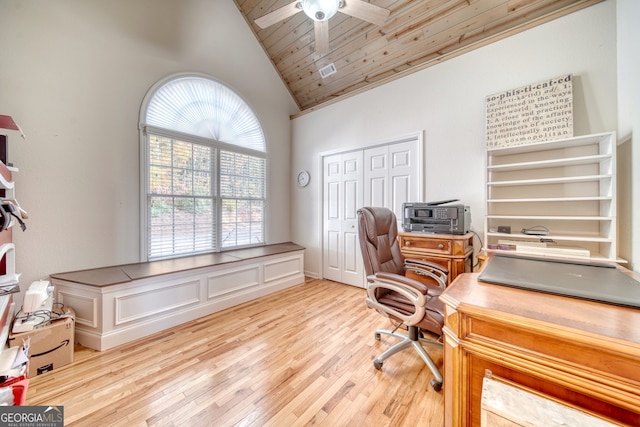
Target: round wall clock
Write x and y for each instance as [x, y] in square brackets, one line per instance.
[303, 178]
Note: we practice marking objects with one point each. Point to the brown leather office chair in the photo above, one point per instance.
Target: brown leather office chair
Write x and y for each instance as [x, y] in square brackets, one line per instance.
[412, 303]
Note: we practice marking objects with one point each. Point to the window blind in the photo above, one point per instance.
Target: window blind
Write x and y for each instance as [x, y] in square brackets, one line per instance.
[202, 195]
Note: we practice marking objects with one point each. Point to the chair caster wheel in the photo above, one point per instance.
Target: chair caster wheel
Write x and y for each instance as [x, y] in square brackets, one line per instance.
[377, 364]
[376, 336]
[437, 386]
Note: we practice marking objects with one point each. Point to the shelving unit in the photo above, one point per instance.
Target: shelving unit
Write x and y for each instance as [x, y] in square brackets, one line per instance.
[567, 186]
[18, 382]
[8, 275]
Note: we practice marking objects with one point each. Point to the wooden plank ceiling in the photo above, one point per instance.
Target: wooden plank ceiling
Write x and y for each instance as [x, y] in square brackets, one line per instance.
[417, 34]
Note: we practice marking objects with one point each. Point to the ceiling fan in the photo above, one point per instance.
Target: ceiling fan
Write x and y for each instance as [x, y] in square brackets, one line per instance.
[321, 11]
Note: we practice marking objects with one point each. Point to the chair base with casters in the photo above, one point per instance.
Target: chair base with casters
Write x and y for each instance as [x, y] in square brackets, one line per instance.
[410, 304]
[414, 340]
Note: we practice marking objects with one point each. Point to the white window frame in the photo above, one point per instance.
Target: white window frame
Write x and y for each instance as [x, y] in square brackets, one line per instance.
[146, 130]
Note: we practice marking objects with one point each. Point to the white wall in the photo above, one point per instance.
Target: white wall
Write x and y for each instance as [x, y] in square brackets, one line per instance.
[447, 101]
[629, 129]
[73, 73]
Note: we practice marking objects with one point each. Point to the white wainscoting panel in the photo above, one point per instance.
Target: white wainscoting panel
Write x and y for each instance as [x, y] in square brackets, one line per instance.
[156, 300]
[282, 268]
[85, 306]
[233, 280]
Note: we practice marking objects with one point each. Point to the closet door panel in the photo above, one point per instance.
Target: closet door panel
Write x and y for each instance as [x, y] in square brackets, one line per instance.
[383, 176]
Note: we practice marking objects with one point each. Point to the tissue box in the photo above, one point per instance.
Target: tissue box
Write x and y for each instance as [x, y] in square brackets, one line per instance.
[51, 345]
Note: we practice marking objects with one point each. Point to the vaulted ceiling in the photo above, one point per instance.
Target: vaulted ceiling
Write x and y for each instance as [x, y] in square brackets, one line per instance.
[415, 35]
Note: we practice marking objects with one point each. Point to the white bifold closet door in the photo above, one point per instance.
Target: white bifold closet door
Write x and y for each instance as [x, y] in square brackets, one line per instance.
[386, 176]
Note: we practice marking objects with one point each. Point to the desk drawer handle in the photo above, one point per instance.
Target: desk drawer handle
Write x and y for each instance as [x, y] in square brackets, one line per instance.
[440, 246]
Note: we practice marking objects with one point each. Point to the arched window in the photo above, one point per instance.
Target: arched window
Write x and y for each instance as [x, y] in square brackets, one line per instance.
[204, 169]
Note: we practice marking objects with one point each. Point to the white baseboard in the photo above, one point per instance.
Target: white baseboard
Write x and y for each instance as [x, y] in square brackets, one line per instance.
[312, 274]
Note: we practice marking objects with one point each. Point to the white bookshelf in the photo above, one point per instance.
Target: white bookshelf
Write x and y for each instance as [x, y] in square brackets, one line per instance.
[567, 186]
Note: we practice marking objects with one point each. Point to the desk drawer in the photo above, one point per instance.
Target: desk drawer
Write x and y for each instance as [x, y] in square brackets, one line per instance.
[436, 246]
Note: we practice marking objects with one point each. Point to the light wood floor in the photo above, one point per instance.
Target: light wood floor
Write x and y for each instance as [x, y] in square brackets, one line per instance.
[302, 356]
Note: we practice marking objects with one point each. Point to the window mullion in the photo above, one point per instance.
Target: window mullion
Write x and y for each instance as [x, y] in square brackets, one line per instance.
[215, 186]
[194, 222]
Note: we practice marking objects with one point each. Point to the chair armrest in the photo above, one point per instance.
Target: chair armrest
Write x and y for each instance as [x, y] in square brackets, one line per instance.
[416, 292]
[426, 264]
[415, 285]
[421, 267]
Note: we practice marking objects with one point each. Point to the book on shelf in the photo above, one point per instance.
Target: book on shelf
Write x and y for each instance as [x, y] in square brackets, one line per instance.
[9, 284]
[569, 251]
[527, 243]
[7, 307]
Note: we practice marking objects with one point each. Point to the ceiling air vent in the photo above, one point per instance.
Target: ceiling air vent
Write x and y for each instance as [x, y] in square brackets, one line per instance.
[328, 70]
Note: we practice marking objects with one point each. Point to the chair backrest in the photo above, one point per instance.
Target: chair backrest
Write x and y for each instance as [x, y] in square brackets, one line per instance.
[378, 234]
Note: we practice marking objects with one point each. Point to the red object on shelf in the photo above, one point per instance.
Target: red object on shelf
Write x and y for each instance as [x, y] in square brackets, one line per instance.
[19, 388]
[7, 122]
[20, 392]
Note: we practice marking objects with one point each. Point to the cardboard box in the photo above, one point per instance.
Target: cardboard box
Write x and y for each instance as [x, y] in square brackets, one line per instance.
[51, 345]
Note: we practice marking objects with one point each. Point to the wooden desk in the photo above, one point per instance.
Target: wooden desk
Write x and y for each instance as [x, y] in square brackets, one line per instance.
[453, 251]
[583, 353]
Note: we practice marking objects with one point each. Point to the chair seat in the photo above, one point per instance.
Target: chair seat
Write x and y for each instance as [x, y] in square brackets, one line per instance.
[434, 316]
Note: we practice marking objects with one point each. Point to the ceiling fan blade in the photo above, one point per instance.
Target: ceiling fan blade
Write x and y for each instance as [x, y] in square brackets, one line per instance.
[366, 11]
[278, 15]
[321, 29]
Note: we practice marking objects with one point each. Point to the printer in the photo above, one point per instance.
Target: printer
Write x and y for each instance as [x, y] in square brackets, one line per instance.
[436, 217]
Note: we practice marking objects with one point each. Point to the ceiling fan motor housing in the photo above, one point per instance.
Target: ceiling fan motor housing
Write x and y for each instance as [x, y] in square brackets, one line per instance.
[320, 10]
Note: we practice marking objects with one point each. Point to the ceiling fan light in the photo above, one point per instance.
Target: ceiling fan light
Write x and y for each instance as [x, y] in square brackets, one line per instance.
[320, 10]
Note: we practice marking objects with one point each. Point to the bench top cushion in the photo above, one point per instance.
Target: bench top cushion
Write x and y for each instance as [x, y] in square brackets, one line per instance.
[113, 275]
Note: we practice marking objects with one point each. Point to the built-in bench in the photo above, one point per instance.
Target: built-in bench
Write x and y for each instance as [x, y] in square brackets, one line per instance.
[119, 304]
